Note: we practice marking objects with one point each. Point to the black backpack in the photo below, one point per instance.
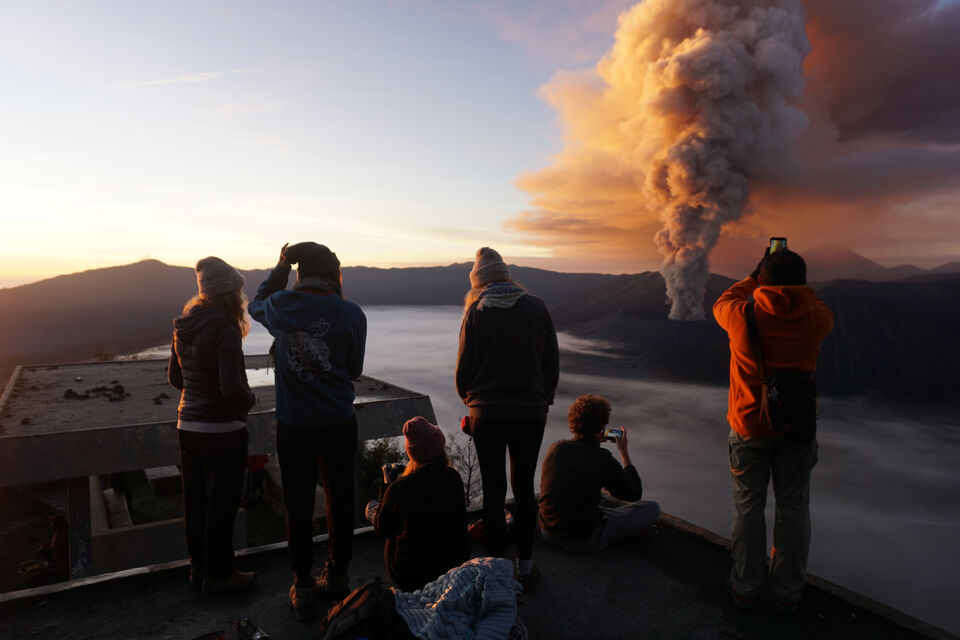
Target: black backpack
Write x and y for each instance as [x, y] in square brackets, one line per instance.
[368, 612]
[788, 400]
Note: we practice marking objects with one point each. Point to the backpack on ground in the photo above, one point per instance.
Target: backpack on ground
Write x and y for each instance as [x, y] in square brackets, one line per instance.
[788, 400]
[368, 612]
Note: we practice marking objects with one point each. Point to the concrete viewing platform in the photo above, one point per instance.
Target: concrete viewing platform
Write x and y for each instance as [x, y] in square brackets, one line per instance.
[665, 583]
[68, 423]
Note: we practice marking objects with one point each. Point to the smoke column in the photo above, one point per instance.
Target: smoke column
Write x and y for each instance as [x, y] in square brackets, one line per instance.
[714, 81]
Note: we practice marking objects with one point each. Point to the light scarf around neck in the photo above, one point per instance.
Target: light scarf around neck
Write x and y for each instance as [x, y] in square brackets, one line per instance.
[500, 295]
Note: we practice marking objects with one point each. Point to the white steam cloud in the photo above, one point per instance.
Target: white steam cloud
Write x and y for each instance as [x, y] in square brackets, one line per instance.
[714, 81]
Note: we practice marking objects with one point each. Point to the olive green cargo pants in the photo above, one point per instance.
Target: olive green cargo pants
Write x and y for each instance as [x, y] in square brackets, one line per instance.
[752, 464]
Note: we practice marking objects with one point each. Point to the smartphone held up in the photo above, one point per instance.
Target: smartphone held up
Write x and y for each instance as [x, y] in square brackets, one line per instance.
[778, 243]
[612, 434]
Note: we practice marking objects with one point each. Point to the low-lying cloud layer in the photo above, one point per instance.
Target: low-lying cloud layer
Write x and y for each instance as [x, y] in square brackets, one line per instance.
[876, 168]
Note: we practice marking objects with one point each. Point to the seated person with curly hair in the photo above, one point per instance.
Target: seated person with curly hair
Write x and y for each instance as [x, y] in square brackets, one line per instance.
[572, 512]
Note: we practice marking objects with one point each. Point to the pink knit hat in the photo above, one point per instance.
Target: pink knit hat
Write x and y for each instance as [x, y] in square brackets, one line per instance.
[424, 441]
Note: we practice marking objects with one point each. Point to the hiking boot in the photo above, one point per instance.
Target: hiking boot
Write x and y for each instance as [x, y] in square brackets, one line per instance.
[740, 601]
[334, 586]
[302, 602]
[526, 580]
[788, 607]
[196, 579]
[234, 581]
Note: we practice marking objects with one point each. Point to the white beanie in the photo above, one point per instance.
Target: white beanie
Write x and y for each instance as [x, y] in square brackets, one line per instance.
[214, 277]
[488, 267]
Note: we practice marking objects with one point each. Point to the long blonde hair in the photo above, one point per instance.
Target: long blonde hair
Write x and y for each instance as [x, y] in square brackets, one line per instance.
[413, 465]
[232, 303]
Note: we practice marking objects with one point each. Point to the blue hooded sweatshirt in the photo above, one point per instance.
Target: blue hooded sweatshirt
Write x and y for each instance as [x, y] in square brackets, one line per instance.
[319, 342]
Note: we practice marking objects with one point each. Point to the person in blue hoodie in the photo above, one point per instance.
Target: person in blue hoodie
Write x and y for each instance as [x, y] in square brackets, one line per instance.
[318, 349]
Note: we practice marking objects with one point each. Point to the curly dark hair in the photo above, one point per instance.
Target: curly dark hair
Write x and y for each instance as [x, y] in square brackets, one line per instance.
[588, 415]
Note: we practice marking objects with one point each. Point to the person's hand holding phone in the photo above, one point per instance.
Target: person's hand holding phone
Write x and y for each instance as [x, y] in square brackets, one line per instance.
[622, 446]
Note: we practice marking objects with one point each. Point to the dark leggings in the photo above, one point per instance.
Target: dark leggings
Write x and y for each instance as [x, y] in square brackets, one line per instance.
[212, 465]
[299, 450]
[493, 437]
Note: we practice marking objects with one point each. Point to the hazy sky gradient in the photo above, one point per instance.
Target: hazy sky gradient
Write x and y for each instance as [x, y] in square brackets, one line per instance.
[392, 131]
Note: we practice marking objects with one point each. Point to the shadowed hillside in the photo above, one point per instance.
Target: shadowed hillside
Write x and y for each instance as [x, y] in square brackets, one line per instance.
[104, 312]
[898, 339]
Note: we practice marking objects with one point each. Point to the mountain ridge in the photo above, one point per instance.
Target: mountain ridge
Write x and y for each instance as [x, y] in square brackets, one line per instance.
[889, 338]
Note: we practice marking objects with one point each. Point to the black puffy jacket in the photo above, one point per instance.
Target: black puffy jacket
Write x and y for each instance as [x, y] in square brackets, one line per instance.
[206, 364]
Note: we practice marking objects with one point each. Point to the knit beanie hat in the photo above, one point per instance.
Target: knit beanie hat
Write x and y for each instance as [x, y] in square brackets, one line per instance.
[424, 441]
[214, 276]
[313, 260]
[488, 267]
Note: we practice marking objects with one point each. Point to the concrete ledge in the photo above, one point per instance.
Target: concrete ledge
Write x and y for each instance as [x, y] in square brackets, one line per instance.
[67, 585]
[852, 597]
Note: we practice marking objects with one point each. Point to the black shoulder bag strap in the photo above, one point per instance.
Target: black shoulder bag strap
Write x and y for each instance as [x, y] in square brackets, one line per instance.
[755, 338]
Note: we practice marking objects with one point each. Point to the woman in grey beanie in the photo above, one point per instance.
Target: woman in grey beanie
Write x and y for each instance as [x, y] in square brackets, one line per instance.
[508, 365]
[206, 364]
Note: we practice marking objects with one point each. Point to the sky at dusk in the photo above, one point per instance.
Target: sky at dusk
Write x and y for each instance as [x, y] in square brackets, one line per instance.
[411, 132]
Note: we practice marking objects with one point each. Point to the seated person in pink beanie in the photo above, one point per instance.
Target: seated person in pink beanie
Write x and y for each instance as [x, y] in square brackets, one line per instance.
[423, 513]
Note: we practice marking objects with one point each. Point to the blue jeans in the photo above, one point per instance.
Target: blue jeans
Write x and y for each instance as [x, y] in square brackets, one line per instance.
[618, 523]
[752, 464]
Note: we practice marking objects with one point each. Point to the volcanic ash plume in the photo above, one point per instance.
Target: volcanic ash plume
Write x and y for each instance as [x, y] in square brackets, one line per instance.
[714, 80]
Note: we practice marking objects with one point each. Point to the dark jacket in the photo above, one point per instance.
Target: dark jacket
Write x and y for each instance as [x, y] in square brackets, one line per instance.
[792, 323]
[423, 517]
[318, 349]
[206, 364]
[508, 362]
[573, 474]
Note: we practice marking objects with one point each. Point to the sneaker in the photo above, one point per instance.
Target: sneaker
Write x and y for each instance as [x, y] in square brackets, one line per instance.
[302, 602]
[235, 581]
[526, 580]
[740, 601]
[334, 586]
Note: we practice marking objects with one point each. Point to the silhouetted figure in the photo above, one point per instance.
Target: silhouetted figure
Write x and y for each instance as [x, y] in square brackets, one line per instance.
[423, 513]
[319, 342]
[572, 512]
[508, 365]
[791, 323]
[206, 364]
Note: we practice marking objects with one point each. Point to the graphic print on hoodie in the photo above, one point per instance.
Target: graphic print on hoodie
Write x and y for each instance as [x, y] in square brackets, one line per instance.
[309, 353]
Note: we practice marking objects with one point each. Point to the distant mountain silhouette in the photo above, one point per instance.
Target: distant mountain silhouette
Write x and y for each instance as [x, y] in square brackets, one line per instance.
[833, 262]
[898, 339]
[117, 310]
[895, 339]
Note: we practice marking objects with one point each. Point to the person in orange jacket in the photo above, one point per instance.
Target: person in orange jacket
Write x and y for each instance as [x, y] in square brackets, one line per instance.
[792, 323]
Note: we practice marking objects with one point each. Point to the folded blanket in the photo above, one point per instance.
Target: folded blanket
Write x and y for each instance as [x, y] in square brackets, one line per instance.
[475, 601]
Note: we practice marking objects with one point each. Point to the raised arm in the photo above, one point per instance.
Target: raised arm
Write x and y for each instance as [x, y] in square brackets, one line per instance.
[623, 482]
[276, 281]
[731, 303]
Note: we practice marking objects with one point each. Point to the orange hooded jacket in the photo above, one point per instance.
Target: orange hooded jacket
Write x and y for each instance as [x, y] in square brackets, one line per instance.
[792, 322]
